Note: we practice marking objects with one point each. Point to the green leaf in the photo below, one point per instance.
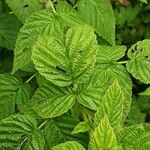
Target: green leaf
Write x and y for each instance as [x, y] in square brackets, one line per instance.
[9, 84]
[59, 130]
[81, 127]
[68, 14]
[23, 94]
[99, 14]
[112, 106]
[90, 93]
[110, 54]
[139, 63]
[103, 137]
[14, 127]
[12, 92]
[135, 115]
[110, 70]
[51, 101]
[39, 23]
[107, 71]
[9, 29]
[23, 9]
[7, 106]
[66, 61]
[73, 145]
[146, 92]
[8, 87]
[134, 137]
[35, 141]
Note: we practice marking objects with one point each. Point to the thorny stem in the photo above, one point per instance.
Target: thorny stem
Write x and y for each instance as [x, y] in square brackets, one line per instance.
[31, 78]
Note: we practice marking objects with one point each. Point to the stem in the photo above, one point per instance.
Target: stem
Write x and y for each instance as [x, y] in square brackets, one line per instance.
[23, 142]
[49, 4]
[31, 78]
[42, 124]
[122, 62]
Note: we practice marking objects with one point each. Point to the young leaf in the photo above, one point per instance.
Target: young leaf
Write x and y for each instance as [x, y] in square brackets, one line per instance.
[51, 101]
[9, 29]
[35, 141]
[112, 106]
[99, 14]
[73, 145]
[23, 9]
[14, 127]
[103, 137]
[66, 61]
[139, 63]
[81, 127]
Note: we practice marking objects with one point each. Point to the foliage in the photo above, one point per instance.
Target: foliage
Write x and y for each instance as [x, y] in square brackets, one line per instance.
[74, 74]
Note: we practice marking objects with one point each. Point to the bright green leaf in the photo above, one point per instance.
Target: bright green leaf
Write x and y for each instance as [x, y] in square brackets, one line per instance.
[146, 92]
[81, 127]
[103, 137]
[73, 145]
[39, 23]
[112, 105]
[66, 61]
[110, 70]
